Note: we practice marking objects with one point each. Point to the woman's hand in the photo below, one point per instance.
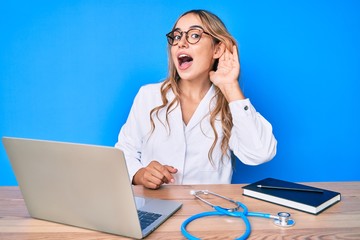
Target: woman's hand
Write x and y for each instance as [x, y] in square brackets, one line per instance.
[154, 175]
[227, 74]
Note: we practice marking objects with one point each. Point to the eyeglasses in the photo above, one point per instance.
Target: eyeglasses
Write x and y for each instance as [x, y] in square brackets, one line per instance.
[192, 36]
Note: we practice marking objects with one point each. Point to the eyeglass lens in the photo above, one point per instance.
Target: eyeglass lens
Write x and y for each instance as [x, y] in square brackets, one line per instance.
[192, 36]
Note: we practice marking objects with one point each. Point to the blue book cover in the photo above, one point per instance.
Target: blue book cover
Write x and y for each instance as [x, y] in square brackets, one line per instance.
[294, 195]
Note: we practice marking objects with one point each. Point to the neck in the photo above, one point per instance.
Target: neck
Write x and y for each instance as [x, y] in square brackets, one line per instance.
[194, 89]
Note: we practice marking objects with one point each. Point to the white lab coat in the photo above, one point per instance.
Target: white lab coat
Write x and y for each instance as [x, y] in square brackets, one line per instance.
[186, 147]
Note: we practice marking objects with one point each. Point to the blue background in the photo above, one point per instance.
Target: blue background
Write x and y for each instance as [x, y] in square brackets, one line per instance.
[69, 71]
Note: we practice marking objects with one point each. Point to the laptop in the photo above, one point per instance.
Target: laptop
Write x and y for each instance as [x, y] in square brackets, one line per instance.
[83, 185]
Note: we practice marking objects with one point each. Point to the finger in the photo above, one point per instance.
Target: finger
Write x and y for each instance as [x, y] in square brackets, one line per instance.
[227, 52]
[156, 174]
[151, 185]
[150, 180]
[171, 170]
[222, 58]
[165, 173]
[235, 53]
[160, 172]
[151, 172]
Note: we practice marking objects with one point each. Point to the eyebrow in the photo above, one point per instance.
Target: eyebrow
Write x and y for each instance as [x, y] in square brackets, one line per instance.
[191, 27]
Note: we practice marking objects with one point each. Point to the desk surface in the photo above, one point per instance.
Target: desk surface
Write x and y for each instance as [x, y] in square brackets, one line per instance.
[341, 221]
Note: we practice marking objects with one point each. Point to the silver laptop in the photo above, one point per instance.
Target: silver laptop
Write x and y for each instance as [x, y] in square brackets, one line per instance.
[83, 185]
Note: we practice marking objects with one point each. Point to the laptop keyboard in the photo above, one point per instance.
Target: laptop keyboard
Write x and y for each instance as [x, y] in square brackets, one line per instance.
[146, 218]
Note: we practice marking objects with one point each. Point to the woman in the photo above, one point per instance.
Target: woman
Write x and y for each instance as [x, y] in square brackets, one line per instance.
[183, 130]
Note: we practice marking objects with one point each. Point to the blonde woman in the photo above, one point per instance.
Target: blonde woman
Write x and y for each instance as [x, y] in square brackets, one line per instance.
[183, 130]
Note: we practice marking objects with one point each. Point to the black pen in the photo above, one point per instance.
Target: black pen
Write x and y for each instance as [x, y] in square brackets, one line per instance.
[291, 189]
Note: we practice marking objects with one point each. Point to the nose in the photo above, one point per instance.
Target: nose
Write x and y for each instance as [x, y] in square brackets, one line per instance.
[183, 42]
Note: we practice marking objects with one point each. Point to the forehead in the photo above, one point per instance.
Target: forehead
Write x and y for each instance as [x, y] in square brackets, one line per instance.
[187, 21]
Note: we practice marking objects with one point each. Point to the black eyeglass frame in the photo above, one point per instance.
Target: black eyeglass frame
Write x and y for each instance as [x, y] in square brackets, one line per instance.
[171, 39]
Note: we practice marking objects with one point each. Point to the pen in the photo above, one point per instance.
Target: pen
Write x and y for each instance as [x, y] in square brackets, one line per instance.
[291, 189]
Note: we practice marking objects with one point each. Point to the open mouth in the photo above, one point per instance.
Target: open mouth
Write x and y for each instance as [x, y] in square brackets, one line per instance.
[184, 61]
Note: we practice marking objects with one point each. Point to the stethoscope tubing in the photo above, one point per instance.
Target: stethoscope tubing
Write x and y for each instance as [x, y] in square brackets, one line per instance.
[222, 211]
[214, 213]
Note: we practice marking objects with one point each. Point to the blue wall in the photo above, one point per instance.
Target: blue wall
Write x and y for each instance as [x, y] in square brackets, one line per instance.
[69, 72]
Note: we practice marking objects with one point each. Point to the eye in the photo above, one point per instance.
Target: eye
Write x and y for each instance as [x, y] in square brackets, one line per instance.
[195, 34]
[176, 35]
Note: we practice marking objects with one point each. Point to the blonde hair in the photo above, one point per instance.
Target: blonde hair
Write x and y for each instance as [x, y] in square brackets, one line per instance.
[216, 28]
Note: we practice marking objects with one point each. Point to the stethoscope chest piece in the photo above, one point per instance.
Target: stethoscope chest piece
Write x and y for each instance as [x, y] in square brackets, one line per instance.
[283, 220]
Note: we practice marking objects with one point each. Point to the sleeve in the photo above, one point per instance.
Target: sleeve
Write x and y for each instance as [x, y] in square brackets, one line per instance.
[130, 137]
[252, 139]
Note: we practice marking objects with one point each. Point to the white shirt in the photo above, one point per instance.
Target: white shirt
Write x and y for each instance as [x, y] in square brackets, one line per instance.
[186, 147]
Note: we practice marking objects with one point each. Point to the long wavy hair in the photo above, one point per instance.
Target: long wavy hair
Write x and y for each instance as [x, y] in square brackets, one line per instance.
[216, 28]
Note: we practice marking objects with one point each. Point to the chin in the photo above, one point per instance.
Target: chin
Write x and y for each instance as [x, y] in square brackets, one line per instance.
[183, 75]
[186, 77]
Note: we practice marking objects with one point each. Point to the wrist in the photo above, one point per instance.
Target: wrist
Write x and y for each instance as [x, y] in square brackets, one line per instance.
[137, 177]
[232, 91]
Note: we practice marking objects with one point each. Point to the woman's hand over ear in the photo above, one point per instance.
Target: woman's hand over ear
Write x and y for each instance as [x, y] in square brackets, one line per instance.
[227, 74]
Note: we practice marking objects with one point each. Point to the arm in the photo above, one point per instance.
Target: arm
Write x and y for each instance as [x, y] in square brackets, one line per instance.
[251, 139]
[131, 140]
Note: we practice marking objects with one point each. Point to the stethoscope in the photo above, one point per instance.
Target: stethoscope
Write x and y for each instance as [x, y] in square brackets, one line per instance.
[282, 219]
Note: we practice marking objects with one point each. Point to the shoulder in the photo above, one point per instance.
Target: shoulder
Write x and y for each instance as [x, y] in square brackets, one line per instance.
[151, 88]
[149, 94]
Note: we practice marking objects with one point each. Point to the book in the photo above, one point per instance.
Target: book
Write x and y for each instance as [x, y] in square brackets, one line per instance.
[294, 195]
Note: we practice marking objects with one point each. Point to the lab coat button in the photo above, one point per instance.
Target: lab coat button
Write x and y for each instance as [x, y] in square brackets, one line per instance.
[246, 108]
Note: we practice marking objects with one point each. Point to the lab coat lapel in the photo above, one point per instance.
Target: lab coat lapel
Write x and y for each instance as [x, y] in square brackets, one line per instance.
[175, 117]
[202, 110]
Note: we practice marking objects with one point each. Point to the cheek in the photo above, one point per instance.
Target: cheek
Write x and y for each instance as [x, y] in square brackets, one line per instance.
[173, 54]
[205, 53]
[206, 60]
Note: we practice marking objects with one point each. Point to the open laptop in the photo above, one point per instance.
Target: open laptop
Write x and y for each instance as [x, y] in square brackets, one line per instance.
[83, 185]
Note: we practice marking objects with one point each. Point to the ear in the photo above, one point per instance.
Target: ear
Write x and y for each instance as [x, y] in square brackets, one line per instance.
[219, 50]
